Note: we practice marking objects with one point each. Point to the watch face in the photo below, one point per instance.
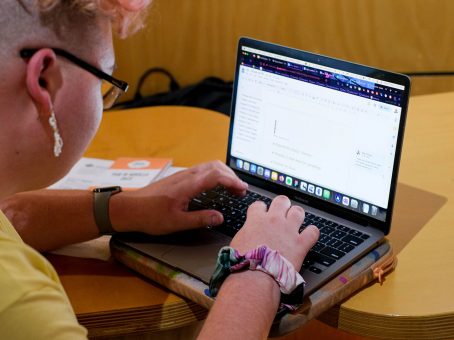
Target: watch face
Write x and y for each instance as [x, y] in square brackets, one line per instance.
[108, 189]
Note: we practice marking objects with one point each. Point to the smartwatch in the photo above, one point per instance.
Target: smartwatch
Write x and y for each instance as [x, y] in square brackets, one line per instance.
[101, 198]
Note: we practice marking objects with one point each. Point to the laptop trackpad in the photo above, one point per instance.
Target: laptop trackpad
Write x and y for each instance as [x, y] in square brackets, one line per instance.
[197, 254]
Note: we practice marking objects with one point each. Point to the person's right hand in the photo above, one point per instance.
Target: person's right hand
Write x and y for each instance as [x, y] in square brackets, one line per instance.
[277, 228]
[162, 206]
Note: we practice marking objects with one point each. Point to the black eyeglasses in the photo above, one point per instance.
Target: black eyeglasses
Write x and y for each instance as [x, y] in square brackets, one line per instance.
[110, 96]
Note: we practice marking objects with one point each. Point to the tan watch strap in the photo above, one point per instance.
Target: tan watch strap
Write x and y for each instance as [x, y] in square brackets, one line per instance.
[101, 198]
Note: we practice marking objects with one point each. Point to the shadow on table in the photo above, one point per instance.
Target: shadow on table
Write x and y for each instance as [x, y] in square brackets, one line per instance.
[412, 210]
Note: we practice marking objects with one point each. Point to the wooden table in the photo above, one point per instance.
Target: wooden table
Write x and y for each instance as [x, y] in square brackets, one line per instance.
[415, 301]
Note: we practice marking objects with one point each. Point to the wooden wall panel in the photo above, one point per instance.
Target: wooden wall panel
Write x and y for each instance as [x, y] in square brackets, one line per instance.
[197, 38]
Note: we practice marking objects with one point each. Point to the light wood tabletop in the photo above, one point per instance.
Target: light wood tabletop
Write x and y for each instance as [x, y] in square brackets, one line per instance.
[416, 300]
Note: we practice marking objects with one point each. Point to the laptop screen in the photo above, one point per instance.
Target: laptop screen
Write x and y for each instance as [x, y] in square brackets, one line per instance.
[323, 131]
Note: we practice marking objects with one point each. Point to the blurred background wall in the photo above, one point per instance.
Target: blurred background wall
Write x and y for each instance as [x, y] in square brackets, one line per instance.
[197, 38]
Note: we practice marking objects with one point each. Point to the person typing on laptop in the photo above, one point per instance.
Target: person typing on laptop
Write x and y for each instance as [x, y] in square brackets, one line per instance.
[55, 56]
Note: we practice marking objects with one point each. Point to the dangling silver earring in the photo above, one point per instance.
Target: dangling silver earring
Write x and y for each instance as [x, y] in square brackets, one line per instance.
[58, 141]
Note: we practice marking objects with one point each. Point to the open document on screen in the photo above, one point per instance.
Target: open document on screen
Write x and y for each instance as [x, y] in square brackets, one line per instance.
[332, 138]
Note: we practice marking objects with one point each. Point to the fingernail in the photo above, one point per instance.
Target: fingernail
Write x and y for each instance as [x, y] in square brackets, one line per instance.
[215, 219]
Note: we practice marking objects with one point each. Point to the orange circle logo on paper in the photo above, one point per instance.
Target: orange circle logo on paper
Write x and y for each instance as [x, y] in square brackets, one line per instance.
[139, 164]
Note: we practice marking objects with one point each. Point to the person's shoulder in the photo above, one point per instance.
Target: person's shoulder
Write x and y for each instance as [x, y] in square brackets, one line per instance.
[43, 313]
[32, 300]
[22, 270]
[6, 228]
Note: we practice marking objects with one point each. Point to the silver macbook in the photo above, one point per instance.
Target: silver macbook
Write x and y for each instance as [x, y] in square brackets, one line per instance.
[325, 132]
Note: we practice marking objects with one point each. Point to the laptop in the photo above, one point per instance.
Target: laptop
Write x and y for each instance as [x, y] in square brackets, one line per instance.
[325, 132]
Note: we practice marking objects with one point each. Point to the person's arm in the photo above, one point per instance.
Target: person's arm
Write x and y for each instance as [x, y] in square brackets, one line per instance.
[244, 309]
[49, 219]
[247, 301]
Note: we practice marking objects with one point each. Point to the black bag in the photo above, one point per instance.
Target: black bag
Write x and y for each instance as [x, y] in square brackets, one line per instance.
[210, 93]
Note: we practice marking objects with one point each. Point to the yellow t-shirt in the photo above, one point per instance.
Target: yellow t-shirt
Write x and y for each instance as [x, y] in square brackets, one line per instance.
[33, 303]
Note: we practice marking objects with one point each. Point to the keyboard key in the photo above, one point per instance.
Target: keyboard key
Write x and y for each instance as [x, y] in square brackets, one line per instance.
[346, 248]
[198, 200]
[229, 221]
[315, 270]
[210, 194]
[249, 200]
[355, 233]
[241, 206]
[328, 230]
[365, 236]
[331, 252]
[334, 243]
[306, 222]
[324, 238]
[214, 205]
[231, 203]
[238, 225]
[325, 260]
[338, 234]
[327, 224]
[265, 199]
[318, 246]
[317, 224]
[322, 259]
[234, 213]
[220, 200]
[308, 262]
[344, 228]
[353, 240]
[253, 194]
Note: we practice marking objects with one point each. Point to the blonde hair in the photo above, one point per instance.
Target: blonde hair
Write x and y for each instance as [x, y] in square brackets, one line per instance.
[127, 16]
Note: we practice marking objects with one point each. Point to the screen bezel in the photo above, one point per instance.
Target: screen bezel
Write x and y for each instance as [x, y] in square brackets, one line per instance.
[299, 196]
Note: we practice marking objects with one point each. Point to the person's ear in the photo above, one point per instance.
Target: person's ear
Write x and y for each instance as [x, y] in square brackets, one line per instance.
[43, 80]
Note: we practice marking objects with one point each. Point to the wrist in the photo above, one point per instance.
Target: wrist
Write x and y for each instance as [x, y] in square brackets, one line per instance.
[254, 290]
[256, 281]
[119, 213]
[254, 278]
[262, 258]
[101, 208]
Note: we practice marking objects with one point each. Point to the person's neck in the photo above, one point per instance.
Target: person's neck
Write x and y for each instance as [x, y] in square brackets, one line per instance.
[5, 192]
[3, 196]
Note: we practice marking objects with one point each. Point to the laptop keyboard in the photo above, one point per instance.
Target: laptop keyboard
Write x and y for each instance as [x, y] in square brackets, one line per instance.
[335, 240]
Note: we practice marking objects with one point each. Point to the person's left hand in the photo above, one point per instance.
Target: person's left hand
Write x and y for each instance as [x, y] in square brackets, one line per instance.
[278, 228]
[162, 207]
